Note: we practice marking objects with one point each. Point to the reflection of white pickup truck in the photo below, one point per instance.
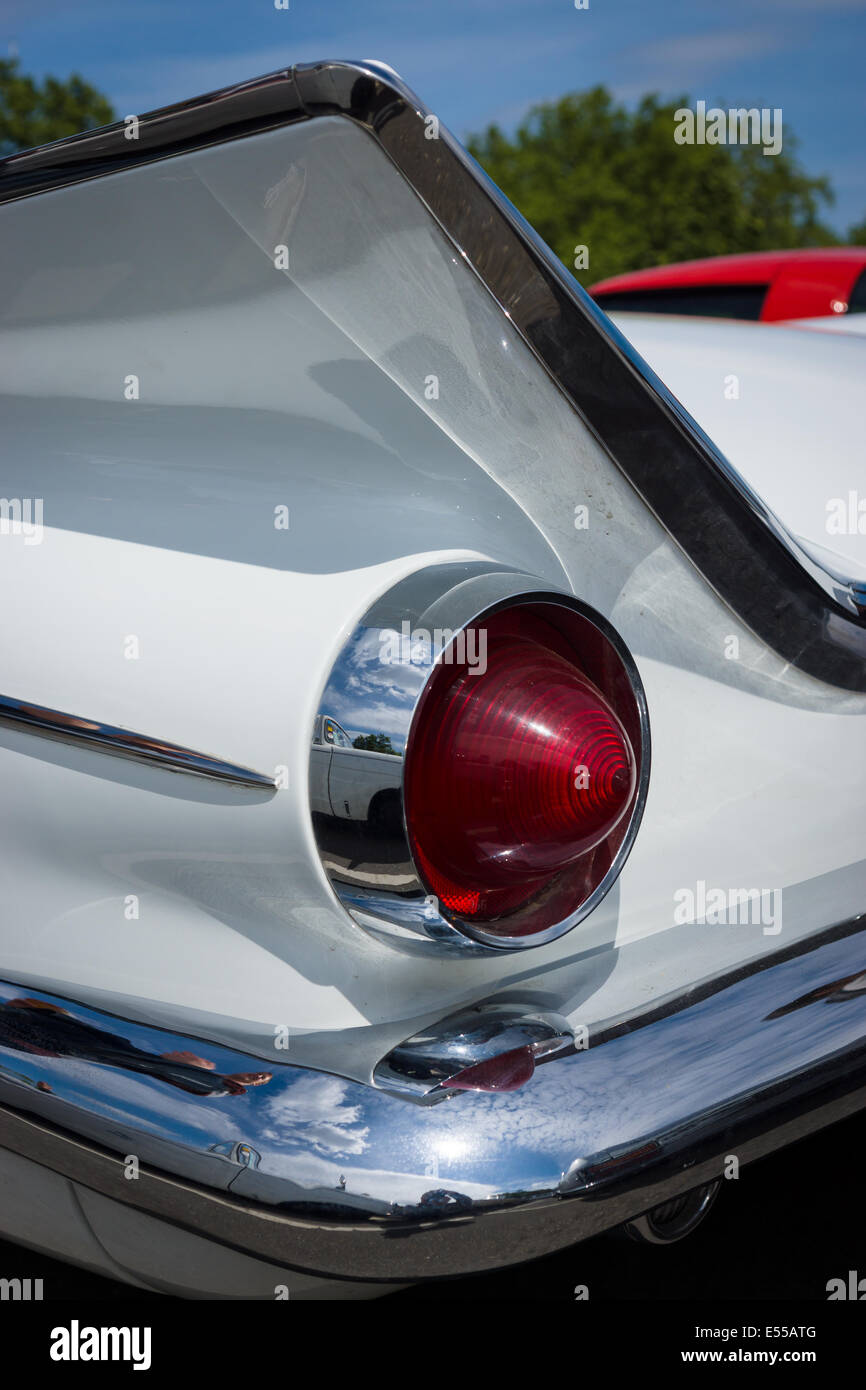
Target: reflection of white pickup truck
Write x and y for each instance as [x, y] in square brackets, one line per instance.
[353, 783]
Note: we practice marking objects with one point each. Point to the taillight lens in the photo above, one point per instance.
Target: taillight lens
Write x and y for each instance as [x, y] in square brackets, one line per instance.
[507, 1072]
[522, 769]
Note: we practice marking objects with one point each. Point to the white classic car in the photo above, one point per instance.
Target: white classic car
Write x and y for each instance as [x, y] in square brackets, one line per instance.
[304, 427]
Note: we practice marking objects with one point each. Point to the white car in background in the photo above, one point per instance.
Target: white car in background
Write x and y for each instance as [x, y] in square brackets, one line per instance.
[352, 780]
[303, 425]
[784, 409]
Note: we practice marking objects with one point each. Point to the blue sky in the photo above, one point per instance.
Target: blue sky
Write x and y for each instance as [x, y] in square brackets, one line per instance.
[474, 61]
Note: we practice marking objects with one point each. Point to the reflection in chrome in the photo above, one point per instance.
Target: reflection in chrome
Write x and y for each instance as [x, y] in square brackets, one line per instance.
[423, 1065]
[122, 743]
[413, 922]
[240, 1154]
[356, 783]
[33, 1023]
[323, 1170]
[674, 1220]
[836, 992]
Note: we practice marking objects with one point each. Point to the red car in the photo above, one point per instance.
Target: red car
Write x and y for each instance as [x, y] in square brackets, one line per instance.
[759, 285]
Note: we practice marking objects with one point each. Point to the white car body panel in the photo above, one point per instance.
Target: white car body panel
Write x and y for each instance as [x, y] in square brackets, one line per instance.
[794, 428]
[831, 323]
[238, 931]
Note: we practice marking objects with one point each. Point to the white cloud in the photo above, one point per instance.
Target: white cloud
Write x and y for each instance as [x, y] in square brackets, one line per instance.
[686, 60]
[421, 60]
[313, 1111]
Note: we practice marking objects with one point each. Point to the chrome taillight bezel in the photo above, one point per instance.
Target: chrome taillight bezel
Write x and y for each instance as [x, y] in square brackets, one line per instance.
[390, 898]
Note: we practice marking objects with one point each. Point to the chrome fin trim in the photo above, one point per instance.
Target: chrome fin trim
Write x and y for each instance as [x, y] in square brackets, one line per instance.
[123, 743]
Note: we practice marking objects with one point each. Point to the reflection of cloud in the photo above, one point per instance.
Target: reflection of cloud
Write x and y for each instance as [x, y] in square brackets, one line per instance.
[371, 671]
[368, 719]
[313, 1111]
[369, 695]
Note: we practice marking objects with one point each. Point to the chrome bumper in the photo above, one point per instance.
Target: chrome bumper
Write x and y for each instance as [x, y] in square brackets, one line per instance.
[313, 1172]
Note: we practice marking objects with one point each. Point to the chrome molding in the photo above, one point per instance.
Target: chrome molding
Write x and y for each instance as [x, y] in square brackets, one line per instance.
[424, 1064]
[122, 743]
[236, 1149]
[357, 796]
[815, 620]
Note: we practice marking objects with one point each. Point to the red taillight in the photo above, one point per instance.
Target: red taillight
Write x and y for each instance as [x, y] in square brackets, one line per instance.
[507, 1072]
[521, 769]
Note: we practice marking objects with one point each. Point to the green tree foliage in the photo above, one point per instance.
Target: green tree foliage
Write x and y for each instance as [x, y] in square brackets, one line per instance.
[857, 233]
[585, 170]
[374, 743]
[33, 113]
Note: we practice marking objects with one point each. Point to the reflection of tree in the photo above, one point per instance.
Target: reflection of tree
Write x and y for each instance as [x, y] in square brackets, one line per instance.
[834, 992]
[42, 1029]
[375, 743]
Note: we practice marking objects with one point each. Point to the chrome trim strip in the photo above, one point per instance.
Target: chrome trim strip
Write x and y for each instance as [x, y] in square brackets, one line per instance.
[315, 1172]
[813, 619]
[123, 743]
